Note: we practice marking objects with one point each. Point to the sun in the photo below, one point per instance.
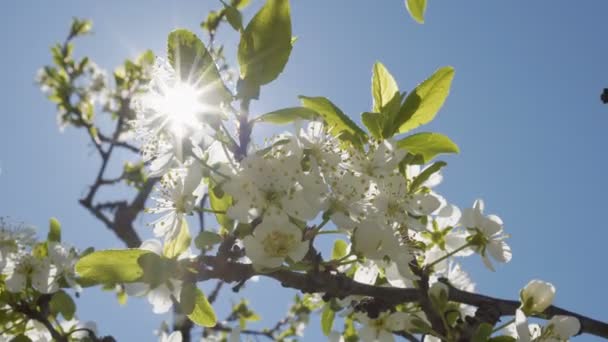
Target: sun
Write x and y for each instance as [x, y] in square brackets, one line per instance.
[181, 106]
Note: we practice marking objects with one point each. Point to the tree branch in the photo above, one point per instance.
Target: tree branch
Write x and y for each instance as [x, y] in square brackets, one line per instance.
[338, 285]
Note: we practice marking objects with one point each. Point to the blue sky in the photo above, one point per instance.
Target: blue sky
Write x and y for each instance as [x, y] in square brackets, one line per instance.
[524, 109]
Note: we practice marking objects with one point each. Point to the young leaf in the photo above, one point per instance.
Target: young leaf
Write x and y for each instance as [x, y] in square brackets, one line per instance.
[428, 145]
[327, 319]
[203, 313]
[374, 123]
[265, 43]
[426, 174]
[234, 17]
[187, 297]
[384, 87]
[180, 243]
[62, 303]
[206, 239]
[220, 201]
[483, 333]
[191, 60]
[287, 115]
[503, 338]
[337, 122]
[416, 9]
[111, 266]
[156, 269]
[54, 230]
[339, 250]
[422, 104]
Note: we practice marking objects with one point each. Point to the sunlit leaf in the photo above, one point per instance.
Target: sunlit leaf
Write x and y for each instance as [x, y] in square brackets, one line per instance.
[339, 124]
[190, 58]
[111, 266]
[416, 9]
[62, 303]
[422, 104]
[327, 319]
[180, 243]
[287, 115]
[265, 43]
[428, 145]
[203, 313]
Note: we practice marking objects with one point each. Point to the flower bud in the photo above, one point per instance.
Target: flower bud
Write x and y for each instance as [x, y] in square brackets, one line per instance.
[537, 296]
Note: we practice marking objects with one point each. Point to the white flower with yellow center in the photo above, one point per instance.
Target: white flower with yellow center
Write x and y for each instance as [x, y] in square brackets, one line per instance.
[381, 160]
[558, 329]
[180, 192]
[273, 241]
[274, 182]
[486, 234]
[381, 329]
[42, 274]
[161, 296]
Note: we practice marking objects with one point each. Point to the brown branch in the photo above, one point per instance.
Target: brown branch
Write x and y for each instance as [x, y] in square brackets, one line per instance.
[508, 307]
[339, 285]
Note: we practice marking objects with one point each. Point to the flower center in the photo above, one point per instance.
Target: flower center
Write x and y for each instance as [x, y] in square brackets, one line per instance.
[278, 244]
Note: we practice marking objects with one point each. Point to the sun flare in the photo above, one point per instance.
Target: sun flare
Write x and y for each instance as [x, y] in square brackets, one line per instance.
[181, 105]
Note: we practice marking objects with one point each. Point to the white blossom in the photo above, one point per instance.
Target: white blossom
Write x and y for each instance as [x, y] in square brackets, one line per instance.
[180, 192]
[536, 296]
[487, 236]
[175, 336]
[160, 296]
[381, 329]
[274, 240]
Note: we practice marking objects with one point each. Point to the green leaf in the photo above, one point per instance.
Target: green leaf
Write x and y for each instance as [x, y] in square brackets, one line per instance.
[111, 266]
[180, 243]
[20, 338]
[54, 230]
[220, 202]
[422, 104]
[203, 313]
[187, 297]
[62, 303]
[374, 123]
[339, 250]
[428, 145]
[287, 115]
[483, 333]
[384, 87]
[339, 124]
[206, 239]
[416, 9]
[191, 60]
[503, 338]
[426, 174]
[156, 270]
[327, 319]
[265, 43]
[234, 17]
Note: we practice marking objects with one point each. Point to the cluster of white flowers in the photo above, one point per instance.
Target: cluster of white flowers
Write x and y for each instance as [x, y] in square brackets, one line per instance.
[299, 184]
[45, 267]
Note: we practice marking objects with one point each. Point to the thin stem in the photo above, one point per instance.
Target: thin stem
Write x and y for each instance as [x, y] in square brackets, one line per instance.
[502, 326]
[323, 223]
[207, 210]
[331, 232]
[459, 249]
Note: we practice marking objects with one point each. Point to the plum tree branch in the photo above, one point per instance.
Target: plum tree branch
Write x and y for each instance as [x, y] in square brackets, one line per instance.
[338, 285]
